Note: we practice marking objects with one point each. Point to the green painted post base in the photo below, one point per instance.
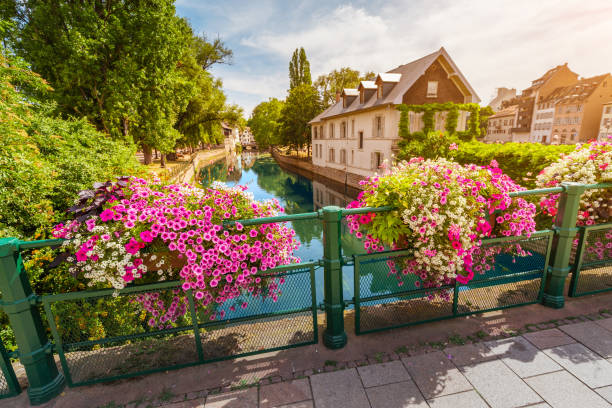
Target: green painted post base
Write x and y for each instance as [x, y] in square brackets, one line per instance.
[40, 395]
[556, 302]
[334, 341]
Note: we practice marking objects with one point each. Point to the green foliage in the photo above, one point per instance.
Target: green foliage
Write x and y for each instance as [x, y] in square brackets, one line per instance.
[299, 69]
[429, 110]
[44, 160]
[301, 106]
[521, 161]
[134, 69]
[264, 122]
[338, 79]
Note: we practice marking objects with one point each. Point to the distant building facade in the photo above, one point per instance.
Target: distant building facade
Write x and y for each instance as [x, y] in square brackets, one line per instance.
[231, 136]
[500, 125]
[503, 94]
[360, 131]
[605, 127]
[578, 109]
[247, 138]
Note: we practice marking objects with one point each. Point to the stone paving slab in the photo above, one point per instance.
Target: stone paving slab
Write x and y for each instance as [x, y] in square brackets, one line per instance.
[605, 323]
[499, 386]
[522, 357]
[339, 389]
[246, 398]
[435, 375]
[468, 399]
[468, 354]
[381, 374]
[587, 366]
[284, 393]
[548, 338]
[186, 404]
[563, 390]
[605, 392]
[303, 404]
[397, 395]
[591, 335]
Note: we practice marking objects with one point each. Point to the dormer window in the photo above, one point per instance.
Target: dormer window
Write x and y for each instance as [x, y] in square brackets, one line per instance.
[432, 89]
[379, 91]
[361, 97]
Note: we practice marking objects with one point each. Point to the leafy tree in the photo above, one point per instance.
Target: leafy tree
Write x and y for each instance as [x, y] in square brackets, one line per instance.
[328, 85]
[299, 69]
[200, 121]
[209, 53]
[264, 122]
[114, 63]
[45, 160]
[302, 104]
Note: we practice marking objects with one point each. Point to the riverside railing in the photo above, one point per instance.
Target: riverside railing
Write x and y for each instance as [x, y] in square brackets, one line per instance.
[35, 349]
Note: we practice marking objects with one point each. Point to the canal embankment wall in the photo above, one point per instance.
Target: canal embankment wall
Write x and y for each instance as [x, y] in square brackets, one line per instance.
[199, 159]
[307, 169]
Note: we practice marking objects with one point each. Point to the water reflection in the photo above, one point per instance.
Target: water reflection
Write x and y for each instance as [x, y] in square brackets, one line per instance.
[297, 194]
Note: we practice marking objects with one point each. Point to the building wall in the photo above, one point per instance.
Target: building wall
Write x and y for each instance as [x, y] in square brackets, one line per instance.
[358, 161]
[605, 126]
[593, 109]
[447, 90]
[542, 123]
[567, 122]
[499, 128]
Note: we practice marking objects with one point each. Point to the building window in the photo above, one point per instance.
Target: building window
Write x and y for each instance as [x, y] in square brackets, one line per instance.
[352, 128]
[608, 109]
[332, 155]
[331, 130]
[361, 139]
[316, 136]
[342, 156]
[432, 89]
[343, 130]
[352, 156]
[544, 139]
[377, 160]
[379, 91]
[573, 137]
[379, 125]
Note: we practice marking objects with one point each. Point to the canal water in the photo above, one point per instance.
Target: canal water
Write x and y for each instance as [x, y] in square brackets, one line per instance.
[297, 194]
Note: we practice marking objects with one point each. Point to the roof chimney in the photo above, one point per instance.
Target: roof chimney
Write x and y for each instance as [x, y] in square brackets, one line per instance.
[337, 96]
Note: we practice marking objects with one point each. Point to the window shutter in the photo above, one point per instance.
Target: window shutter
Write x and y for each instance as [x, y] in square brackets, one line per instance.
[373, 161]
[374, 126]
[382, 126]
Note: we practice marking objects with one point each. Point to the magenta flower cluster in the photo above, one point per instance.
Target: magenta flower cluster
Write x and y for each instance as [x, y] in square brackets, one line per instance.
[177, 231]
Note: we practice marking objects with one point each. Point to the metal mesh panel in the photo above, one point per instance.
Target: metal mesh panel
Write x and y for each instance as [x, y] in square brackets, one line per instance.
[4, 387]
[594, 268]
[403, 310]
[108, 336]
[254, 324]
[104, 336]
[507, 273]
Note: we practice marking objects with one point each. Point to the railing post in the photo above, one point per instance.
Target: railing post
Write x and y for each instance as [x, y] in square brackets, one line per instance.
[19, 303]
[565, 228]
[334, 335]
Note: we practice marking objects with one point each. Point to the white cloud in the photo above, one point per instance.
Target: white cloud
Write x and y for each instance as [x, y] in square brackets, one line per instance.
[494, 44]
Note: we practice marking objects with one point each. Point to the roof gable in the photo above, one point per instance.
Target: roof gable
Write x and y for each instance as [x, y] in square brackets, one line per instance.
[404, 77]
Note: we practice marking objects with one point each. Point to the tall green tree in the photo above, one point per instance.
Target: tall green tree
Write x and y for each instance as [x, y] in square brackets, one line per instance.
[265, 123]
[338, 79]
[302, 104]
[200, 121]
[113, 62]
[299, 69]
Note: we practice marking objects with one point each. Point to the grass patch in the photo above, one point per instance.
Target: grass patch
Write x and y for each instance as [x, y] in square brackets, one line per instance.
[330, 363]
[456, 339]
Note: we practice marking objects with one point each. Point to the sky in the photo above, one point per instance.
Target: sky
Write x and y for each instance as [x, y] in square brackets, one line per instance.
[494, 43]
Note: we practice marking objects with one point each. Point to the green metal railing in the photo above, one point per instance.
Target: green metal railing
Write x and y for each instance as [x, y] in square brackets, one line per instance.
[120, 354]
[9, 386]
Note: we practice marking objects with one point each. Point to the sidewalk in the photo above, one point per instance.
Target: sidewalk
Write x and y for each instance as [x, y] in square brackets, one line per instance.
[517, 357]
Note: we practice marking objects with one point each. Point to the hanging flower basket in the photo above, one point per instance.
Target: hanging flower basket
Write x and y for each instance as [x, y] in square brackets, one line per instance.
[134, 231]
[443, 211]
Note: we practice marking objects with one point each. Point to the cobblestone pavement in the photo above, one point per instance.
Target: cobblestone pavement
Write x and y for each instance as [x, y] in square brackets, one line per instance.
[568, 366]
